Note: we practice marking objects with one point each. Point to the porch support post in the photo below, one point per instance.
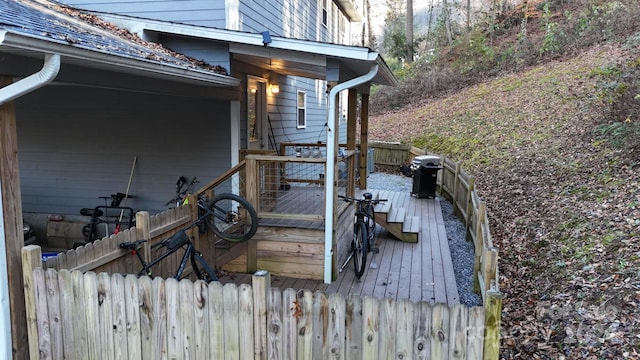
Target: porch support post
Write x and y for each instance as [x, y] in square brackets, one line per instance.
[364, 140]
[12, 236]
[352, 104]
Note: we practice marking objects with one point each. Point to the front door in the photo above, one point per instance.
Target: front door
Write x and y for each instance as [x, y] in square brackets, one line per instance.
[257, 113]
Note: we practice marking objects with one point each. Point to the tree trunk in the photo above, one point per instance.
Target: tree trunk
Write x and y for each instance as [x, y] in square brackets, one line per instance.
[447, 20]
[409, 31]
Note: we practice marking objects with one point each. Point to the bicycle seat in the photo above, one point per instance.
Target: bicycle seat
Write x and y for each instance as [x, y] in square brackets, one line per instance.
[91, 212]
[131, 245]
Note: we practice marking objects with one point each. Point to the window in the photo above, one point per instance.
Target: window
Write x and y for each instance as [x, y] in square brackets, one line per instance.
[302, 110]
[325, 14]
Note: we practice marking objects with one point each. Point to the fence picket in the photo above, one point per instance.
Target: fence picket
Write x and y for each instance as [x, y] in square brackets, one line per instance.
[231, 312]
[186, 319]
[458, 321]
[353, 326]
[90, 291]
[105, 316]
[201, 320]
[215, 311]
[145, 293]
[55, 323]
[475, 333]
[159, 327]
[404, 315]
[319, 318]
[370, 328]
[387, 318]
[335, 341]
[67, 309]
[290, 312]
[119, 314]
[274, 326]
[439, 331]
[422, 334]
[79, 320]
[174, 337]
[42, 316]
[305, 326]
[245, 321]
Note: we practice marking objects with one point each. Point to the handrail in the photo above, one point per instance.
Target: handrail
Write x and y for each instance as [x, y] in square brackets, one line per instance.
[222, 178]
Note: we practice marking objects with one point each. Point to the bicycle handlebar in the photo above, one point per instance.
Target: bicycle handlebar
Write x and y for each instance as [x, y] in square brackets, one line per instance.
[131, 245]
[352, 199]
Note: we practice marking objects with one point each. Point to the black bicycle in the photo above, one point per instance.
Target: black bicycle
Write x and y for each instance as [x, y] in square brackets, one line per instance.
[229, 216]
[180, 240]
[363, 231]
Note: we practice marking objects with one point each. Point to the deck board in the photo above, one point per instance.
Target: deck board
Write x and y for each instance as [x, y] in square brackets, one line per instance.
[420, 271]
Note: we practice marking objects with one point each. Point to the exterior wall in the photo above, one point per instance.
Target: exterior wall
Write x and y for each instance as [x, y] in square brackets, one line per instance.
[211, 52]
[195, 12]
[79, 144]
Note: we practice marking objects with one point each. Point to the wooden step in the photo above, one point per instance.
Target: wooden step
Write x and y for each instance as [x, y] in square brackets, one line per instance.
[396, 215]
[396, 228]
[411, 224]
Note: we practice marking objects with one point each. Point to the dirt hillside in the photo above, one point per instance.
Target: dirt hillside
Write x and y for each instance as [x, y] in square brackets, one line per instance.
[564, 206]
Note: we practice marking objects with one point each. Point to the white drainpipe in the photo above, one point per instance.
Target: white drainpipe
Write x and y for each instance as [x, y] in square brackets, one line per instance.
[332, 132]
[32, 82]
[8, 93]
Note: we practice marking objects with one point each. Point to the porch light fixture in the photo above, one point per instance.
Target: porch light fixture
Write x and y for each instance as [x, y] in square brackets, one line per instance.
[275, 88]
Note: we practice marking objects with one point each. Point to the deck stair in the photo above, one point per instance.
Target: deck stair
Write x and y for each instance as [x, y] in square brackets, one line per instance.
[395, 218]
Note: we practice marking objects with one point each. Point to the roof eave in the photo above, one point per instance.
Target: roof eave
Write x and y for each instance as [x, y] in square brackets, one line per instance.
[112, 62]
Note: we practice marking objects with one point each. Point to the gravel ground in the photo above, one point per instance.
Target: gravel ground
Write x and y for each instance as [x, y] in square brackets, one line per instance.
[462, 251]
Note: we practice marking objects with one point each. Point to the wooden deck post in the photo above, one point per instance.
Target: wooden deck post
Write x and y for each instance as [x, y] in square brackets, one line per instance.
[31, 259]
[143, 231]
[493, 316]
[482, 211]
[12, 217]
[364, 141]
[469, 209]
[352, 103]
[252, 197]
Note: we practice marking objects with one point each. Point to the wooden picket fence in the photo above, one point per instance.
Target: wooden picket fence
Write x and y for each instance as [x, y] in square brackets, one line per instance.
[78, 315]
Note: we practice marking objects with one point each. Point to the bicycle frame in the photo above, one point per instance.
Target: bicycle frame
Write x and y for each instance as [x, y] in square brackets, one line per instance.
[146, 267]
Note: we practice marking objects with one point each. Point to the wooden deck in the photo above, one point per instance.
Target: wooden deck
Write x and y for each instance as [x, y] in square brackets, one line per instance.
[420, 271]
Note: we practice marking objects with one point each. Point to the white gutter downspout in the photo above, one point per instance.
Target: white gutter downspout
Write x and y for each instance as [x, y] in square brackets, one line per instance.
[332, 128]
[34, 81]
[10, 92]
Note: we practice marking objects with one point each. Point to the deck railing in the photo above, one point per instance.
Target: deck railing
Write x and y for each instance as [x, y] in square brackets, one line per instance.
[292, 188]
[77, 315]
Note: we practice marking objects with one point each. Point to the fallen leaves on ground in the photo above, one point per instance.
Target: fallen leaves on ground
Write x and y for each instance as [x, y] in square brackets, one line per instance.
[564, 207]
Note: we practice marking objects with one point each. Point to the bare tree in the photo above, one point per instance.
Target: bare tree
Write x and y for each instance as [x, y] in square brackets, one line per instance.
[447, 20]
[409, 31]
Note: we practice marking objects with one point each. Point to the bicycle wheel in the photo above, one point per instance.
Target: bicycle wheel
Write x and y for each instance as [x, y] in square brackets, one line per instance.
[232, 218]
[371, 227]
[201, 268]
[359, 247]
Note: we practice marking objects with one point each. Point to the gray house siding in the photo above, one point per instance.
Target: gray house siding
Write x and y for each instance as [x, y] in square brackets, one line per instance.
[79, 144]
[210, 13]
[211, 52]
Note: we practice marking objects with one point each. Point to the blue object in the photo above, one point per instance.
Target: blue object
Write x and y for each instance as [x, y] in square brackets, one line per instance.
[266, 37]
[48, 255]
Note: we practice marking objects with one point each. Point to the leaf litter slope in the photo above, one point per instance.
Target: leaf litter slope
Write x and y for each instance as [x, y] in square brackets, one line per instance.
[564, 207]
